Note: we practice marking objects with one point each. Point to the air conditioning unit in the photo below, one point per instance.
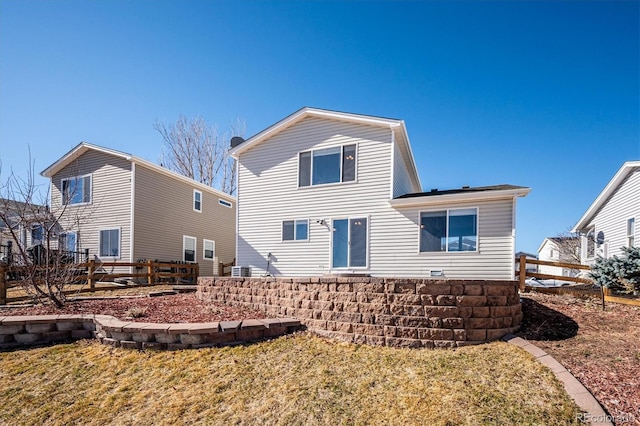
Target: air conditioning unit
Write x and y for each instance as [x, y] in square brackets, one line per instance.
[240, 271]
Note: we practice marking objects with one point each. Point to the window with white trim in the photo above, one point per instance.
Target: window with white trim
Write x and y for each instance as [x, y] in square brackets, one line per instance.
[631, 232]
[295, 230]
[208, 249]
[110, 242]
[450, 230]
[197, 200]
[76, 190]
[224, 203]
[188, 248]
[591, 243]
[327, 165]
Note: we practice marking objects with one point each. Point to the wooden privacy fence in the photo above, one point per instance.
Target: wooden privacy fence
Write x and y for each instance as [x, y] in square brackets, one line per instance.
[603, 293]
[91, 272]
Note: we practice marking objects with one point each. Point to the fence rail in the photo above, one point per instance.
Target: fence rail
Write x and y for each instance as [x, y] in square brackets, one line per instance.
[92, 272]
[603, 293]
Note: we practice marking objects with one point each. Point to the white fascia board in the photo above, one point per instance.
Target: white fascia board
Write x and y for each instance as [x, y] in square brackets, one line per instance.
[309, 112]
[611, 187]
[434, 200]
[544, 242]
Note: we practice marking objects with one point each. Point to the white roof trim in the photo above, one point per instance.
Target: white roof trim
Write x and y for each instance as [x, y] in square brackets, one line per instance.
[434, 200]
[611, 187]
[83, 147]
[393, 124]
[544, 242]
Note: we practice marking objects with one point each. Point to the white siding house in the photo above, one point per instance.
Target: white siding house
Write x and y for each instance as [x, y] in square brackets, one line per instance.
[123, 208]
[559, 249]
[324, 192]
[611, 222]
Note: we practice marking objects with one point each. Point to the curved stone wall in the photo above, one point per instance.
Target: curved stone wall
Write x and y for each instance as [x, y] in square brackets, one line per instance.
[380, 311]
[18, 331]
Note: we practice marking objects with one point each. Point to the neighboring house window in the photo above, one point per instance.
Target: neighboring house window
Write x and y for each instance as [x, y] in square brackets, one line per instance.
[328, 165]
[551, 254]
[208, 249]
[37, 234]
[293, 230]
[349, 243]
[449, 230]
[197, 200]
[76, 190]
[110, 242]
[224, 203]
[631, 232]
[188, 249]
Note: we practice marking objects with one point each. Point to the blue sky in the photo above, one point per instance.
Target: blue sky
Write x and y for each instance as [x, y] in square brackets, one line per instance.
[544, 94]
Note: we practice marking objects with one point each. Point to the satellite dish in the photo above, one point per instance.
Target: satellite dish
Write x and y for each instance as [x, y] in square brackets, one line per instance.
[235, 141]
[600, 238]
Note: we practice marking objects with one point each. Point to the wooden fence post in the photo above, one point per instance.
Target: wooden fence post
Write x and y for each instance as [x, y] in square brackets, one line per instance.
[196, 273]
[3, 285]
[150, 273]
[523, 271]
[90, 272]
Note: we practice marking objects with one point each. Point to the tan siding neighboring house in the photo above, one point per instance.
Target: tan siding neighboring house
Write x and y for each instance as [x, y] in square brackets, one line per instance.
[148, 208]
[164, 214]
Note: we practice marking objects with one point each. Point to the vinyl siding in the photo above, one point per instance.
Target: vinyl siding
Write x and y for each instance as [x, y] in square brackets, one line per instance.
[401, 180]
[611, 219]
[164, 214]
[110, 205]
[268, 194]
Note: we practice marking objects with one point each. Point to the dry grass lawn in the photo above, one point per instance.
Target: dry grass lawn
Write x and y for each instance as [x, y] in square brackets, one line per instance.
[299, 379]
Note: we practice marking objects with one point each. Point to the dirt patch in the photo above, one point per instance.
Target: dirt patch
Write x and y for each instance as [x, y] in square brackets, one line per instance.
[600, 348]
[165, 309]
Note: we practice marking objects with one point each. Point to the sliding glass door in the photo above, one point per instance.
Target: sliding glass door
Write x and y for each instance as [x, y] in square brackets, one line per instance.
[349, 243]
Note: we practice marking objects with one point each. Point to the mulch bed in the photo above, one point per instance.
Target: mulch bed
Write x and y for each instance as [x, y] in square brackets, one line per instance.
[600, 348]
[179, 308]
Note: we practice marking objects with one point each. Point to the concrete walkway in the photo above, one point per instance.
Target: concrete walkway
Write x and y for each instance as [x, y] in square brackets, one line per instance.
[593, 412]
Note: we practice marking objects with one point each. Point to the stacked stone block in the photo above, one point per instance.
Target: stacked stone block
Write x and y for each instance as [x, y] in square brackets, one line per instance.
[381, 311]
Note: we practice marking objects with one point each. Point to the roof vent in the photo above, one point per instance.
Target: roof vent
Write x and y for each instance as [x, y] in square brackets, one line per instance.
[434, 189]
[465, 187]
[235, 141]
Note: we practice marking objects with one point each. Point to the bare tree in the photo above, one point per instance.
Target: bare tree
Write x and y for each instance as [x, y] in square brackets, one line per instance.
[568, 247]
[196, 150]
[34, 243]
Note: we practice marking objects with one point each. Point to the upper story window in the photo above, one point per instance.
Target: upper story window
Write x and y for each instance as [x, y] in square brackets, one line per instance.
[295, 230]
[224, 203]
[76, 190]
[631, 232]
[449, 230]
[327, 165]
[197, 200]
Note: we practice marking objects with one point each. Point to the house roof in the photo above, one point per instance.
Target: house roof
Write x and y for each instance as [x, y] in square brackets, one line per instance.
[397, 126]
[83, 147]
[613, 185]
[466, 193]
[556, 240]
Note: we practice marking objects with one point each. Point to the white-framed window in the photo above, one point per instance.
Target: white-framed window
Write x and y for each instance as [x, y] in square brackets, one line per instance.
[349, 242]
[591, 243]
[37, 234]
[631, 232]
[327, 165]
[76, 190]
[208, 249]
[295, 230]
[189, 248]
[197, 200]
[68, 245]
[451, 230]
[224, 203]
[110, 242]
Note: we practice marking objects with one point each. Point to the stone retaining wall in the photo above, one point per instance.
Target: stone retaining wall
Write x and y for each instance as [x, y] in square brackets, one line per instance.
[18, 331]
[380, 311]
